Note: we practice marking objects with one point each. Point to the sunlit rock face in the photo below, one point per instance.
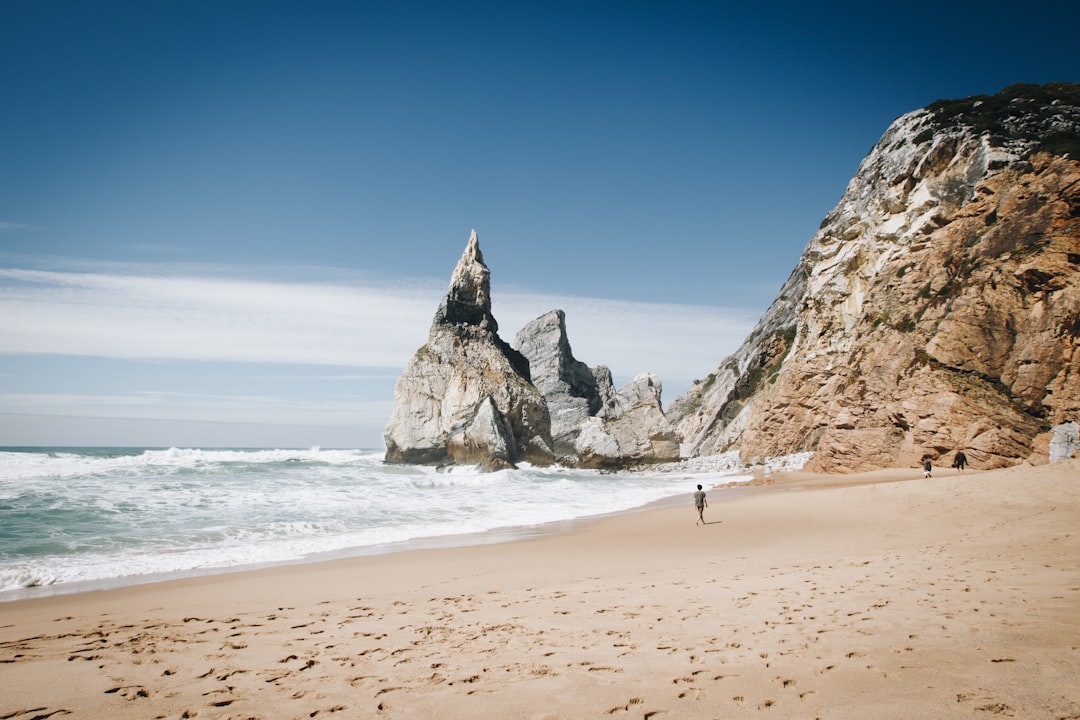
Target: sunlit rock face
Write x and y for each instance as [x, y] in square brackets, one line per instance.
[936, 309]
[593, 425]
[573, 390]
[633, 430]
[466, 397]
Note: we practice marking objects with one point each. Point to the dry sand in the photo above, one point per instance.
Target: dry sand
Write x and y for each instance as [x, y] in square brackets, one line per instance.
[875, 596]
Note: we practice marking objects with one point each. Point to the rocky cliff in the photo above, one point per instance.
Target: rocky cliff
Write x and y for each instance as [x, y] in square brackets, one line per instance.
[936, 309]
[466, 396]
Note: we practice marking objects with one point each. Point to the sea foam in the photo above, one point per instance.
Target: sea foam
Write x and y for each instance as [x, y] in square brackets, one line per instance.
[78, 515]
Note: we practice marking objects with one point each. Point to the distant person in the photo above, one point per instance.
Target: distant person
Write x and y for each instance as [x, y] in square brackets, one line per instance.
[700, 503]
[926, 467]
[960, 461]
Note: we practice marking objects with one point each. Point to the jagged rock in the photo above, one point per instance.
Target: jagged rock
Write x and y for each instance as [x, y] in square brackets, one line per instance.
[572, 390]
[936, 309]
[592, 424]
[632, 430]
[466, 397]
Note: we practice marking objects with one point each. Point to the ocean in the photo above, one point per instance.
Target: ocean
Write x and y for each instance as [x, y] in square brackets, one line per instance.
[79, 518]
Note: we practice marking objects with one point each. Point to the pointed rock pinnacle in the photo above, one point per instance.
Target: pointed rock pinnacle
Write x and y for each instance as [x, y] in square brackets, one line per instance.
[468, 300]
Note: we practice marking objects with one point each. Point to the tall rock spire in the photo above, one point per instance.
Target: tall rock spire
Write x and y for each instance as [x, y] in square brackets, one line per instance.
[468, 301]
[465, 397]
[469, 398]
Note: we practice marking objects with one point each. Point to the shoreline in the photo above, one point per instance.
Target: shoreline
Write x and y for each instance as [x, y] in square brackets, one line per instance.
[507, 534]
[784, 479]
[876, 595]
[763, 482]
[366, 523]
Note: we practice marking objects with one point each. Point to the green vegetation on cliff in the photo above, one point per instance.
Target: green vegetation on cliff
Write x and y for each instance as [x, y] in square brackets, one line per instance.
[1042, 117]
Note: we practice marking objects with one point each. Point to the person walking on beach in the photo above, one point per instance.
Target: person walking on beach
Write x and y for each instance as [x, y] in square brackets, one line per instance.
[700, 503]
[926, 467]
[960, 461]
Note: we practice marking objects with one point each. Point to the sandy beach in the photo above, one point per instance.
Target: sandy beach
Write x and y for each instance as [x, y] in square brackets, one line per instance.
[880, 595]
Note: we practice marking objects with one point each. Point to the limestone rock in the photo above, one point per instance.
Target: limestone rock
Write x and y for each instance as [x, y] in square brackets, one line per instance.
[592, 424]
[573, 391]
[466, 397]
[632, 430]
[1065, 442]
[936, 309]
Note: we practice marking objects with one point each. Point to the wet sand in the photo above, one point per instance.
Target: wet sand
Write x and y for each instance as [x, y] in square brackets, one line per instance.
[878, 595]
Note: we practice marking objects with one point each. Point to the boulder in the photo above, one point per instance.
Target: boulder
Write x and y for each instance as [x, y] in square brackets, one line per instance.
[1065, 442]
[632, 430]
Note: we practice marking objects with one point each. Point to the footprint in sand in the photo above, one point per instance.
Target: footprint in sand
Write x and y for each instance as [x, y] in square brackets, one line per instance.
[329, 711]
[129, 692]
[625, 708]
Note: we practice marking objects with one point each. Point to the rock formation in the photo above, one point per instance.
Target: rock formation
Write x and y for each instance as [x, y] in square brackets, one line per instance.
[1063, 442]
[936, 309]
[466, 397]
[633, 430]
[594, 426]
[573, 391]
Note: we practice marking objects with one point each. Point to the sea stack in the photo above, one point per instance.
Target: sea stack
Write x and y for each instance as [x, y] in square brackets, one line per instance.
[465, 397]
[573, 391]
[593, 425]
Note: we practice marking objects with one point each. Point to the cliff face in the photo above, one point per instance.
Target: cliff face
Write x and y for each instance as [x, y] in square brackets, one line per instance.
[936, 309]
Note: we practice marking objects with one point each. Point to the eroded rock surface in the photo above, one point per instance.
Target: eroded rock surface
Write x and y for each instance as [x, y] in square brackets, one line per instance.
[937, 308]
[574, 392]
[468, 398]
[632, 430]
[465, 397]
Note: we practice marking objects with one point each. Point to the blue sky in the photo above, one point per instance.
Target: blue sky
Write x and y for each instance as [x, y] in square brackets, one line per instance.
[230, 223]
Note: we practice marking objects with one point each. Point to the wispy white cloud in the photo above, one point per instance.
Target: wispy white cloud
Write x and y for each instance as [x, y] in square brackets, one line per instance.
[238, 409]
[6, 226]
[190, 318]
[159, 248]
[355, 335]
[370, 325]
